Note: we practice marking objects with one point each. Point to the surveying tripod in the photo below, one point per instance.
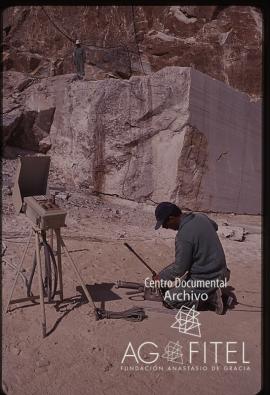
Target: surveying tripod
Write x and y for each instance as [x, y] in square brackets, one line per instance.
[41, 233]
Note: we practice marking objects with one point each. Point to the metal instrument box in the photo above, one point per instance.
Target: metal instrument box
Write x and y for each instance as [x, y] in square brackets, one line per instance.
[30, 194]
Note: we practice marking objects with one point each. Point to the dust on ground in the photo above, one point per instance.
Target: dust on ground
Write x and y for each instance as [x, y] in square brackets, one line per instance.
[83, 356]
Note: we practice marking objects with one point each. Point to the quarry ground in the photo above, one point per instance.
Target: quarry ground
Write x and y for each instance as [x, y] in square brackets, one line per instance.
[83, 356]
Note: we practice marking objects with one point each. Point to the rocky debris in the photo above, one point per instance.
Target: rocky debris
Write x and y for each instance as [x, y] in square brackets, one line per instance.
[224, 42]
[235, 233]
[42, 363]
[44, 145]
[15, 350]
[63, 196]
[25, 83]
[108, 366]
[6, 190]
[56, 67]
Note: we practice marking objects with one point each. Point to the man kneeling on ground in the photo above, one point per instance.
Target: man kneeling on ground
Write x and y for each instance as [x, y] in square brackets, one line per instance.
[199, 260]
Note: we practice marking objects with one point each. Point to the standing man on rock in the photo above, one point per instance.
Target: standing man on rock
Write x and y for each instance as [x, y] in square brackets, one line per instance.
[79, 58]
[199, 259]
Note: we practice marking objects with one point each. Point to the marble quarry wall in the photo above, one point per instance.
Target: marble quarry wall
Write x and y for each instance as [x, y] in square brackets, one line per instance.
[176, 135]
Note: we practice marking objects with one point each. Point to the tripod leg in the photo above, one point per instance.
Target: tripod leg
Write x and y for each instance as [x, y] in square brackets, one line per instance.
[43, 317]
[51, 234]
[93, 310]
[59, 263]
[18, 270]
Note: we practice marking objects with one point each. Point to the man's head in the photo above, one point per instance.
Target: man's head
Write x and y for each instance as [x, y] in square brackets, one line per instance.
[168, 216]
[78, 43]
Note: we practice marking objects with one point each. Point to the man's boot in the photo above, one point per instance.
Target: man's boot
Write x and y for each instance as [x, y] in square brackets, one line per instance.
[215, 300]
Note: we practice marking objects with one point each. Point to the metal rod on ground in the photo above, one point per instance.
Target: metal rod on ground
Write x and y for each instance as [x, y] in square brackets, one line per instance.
[138, 256]
[18, 271]
[94, 310]
[42, 306]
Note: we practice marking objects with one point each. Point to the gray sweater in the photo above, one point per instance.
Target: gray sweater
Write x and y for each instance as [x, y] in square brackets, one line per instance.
[198, 250]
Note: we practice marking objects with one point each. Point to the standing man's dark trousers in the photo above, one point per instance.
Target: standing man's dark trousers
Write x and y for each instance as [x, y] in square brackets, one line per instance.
[79, 59]
[80, 69]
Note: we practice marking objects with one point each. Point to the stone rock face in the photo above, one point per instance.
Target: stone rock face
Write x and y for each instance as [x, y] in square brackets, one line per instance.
[24, 128]
[176, 135]
[11, 121]
[221, 41]
[232, 126]
[32, 130]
